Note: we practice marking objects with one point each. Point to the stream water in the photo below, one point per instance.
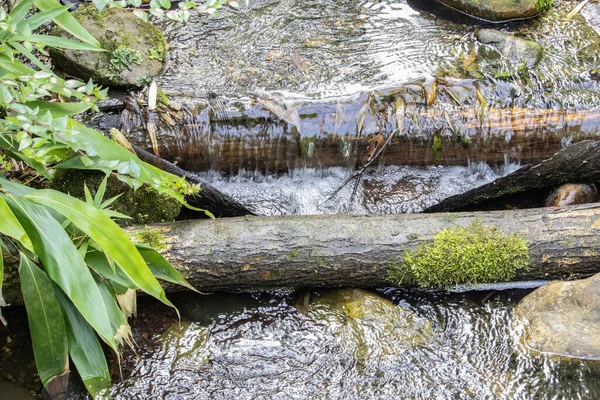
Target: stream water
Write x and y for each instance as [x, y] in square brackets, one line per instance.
[266, 345]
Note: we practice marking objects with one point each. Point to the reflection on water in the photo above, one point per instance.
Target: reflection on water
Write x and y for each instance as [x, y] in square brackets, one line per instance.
[262, 347]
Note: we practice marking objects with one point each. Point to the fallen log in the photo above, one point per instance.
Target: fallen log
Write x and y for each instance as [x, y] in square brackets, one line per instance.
[578, 163]
[251, 253]
[266, 137]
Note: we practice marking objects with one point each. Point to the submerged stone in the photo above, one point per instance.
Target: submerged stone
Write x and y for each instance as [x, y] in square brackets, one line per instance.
[135, 49]
[563, 318]
[186, 345]
[369, 326]
[500, 10]
[572, 193]
[516, 49]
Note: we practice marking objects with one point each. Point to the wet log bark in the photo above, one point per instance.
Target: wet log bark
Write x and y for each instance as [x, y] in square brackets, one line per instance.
[251, 253]
[321, 135]
[578, 163]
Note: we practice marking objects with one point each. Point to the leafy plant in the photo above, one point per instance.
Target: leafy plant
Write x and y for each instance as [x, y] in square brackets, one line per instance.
[474, 254]
[124, 57]
[78, 269]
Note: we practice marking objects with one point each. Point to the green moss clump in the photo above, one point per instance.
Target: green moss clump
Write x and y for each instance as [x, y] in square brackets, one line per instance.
[475, 254]
[145, 205]
[543, 5]
[151, 238]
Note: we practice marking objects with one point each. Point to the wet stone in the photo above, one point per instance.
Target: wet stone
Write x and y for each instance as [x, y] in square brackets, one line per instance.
[571, 193]
[516, 49]
[356, 317]
[499, 10]
[563, 318]
[135, 49]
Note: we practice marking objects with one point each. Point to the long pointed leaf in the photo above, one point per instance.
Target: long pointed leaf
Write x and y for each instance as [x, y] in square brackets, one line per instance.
[21, 10]
[58, 110]
[109, 236]
[84, 348]
[40, 18]
[161, 268]
[98, 262]
[63, 263]
[2, 302]
[118, 321]
[46, 322]
[67, 22]
[10, 226]
[63, 43]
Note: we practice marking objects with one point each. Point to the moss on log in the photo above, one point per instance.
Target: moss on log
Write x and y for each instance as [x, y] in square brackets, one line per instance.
[252, 253]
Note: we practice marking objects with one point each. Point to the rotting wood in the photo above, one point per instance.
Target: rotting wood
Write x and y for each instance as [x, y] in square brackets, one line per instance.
[578, 163]
[252, 253]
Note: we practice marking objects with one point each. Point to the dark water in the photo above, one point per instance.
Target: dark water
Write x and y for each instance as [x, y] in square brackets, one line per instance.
[261, 347]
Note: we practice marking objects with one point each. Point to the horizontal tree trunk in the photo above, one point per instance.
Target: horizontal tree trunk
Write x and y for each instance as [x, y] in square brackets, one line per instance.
[577, 163]
[344, 250]
[321, 135]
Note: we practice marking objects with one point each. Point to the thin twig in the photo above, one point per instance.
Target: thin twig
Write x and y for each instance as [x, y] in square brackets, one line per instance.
[367, 165]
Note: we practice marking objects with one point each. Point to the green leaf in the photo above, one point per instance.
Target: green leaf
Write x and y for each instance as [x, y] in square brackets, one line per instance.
[63, 263]
[63, 43]
[58, 110]
[99, 263]
[42, 17]
[2, 302]
[84, 348]
[46, 323]
[107, 234]
[21, 10]
[38, 63]
[121, 328]
[67, 22]
[161, 268]
[10, 226]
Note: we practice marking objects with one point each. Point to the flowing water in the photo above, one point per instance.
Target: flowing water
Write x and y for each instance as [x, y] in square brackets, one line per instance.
[322, 54]
[383, 190]
[265, 346]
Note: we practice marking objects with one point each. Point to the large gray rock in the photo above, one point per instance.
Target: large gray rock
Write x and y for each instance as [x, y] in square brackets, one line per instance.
[500, 10]
[514, 48]
[135, 49]
[563, 318]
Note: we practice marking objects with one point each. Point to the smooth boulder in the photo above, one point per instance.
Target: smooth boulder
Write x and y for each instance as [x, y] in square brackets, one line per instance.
[563, 318]
[499, 10]
[135, 49]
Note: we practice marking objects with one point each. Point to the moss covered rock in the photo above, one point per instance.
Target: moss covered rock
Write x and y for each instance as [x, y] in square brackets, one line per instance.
[144, 205]
[563, 318]
[500, 10]
[369, 326]
[135, 49]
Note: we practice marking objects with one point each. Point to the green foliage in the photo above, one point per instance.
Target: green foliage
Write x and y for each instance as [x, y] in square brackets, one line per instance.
[475, 254]
[124, 57]
[543, 5]
[77, 265]
[152, 238]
